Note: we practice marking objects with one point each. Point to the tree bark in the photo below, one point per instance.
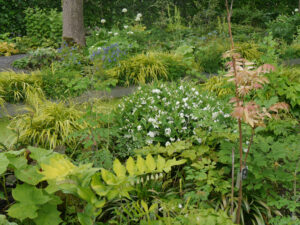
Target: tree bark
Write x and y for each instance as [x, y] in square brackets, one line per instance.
[73, 26]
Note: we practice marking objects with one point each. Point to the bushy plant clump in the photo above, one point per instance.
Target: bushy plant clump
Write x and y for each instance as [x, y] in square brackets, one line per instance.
[165, 113]
[145, 68]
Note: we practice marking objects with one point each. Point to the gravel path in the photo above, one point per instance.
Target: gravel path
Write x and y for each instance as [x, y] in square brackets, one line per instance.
[6, 61]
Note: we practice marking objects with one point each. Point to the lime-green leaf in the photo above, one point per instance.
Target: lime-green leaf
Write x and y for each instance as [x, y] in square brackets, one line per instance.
[141, 165]
[3, 163]
[150, 162]
[108, 177]
[86, 194]
[130, 166]
[160, 163]
[119, 169]
[22, 211]
[145, 206]
[98, 186]
[39, 154]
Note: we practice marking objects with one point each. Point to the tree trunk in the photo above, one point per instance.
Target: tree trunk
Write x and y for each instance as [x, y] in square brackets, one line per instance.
[73, 26]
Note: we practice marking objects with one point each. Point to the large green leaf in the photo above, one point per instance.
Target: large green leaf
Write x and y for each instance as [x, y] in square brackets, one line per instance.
[29, 175]
[109, 177]
[141, 165]
[39, 154]
[161, 162]
[48, 215]
[30, 195]
[3, 163]
[23, 210]
[98, 186]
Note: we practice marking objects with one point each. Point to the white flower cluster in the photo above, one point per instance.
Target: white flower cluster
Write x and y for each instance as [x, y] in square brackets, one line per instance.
[138, 17]
[166, 113]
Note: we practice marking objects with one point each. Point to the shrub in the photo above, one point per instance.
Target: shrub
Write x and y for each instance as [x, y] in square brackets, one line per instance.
[209, 56]
[284, 26]
[8, 49]
[13, 86]
[164, 114]
[145, 68]
[291, 52]
[44, 27]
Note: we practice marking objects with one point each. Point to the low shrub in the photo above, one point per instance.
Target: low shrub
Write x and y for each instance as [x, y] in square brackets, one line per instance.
[145, 68]
[164, 113]
[209, 56]
[249, 51]
[8, 49]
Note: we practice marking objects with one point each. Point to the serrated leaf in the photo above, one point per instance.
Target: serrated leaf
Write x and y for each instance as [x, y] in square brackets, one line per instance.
[140, 163]
[30, 195]
[161, 162]
[150, 162]
[22, 211]
[130, 166]
[119, 169]
[3, 163]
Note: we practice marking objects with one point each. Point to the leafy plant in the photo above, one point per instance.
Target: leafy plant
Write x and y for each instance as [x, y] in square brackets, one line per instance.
[8, 49]
[47, 124]
[13, 86]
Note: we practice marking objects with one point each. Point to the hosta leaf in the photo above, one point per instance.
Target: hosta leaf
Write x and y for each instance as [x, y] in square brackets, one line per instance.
[160, 163]
[150, 162]
[130, 166]
[58, 168]
[30, 195]
[22, 211]
[119, 169]
[3, 163]
[48, 215]
[141, 165]
[29, 175]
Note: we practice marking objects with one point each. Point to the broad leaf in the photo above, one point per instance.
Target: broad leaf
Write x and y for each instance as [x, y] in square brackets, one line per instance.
[150, 162]
[119, 169]
[3, 163]
[160, 163]
[141, 165]
[48, 215]
[29, 175]
[130, 166]
[22, 211]
[30, 195]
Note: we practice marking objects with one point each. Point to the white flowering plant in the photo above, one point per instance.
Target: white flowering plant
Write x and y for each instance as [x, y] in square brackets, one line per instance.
[165, 113]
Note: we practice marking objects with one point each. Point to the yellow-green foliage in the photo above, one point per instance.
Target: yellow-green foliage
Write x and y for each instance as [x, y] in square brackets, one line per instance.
[8, 49]
[144, 68]
[249, 50]
[47, 124]
[13, 85]
[218, 85]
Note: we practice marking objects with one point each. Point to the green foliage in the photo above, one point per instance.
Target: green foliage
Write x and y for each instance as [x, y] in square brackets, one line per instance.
[209, 56]
[285, 26]
[249, 51]
[4, 221]
[219, 85]
[36, 59]
[44, 28]
[8, 49]
[13, 86]
[142, 119]
[47, 124]
[145, 68]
